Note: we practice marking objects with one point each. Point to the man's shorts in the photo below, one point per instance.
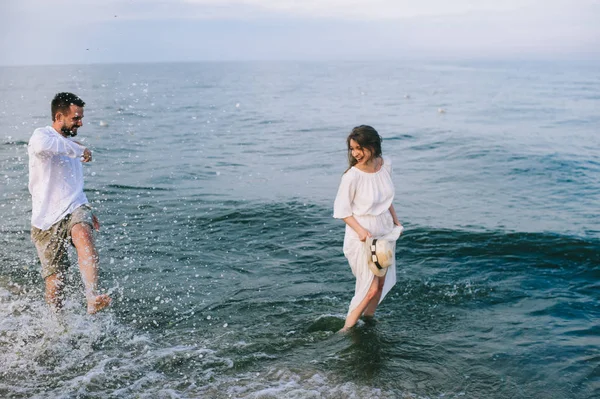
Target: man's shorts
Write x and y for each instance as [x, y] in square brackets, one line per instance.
[52, 244]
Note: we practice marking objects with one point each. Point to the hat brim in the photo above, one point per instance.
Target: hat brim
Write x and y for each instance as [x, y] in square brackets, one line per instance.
[385, 254]
[376, 271]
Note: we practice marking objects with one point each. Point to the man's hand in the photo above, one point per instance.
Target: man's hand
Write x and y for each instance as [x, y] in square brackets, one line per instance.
[87, 155]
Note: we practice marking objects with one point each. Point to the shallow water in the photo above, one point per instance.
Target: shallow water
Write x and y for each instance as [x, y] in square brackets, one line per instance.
[214, 185]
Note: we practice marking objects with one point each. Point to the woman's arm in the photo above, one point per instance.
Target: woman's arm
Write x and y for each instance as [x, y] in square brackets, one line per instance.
[361, 231]
[394, 216]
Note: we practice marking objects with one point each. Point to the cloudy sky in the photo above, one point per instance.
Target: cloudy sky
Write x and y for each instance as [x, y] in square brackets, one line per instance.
[92, 31]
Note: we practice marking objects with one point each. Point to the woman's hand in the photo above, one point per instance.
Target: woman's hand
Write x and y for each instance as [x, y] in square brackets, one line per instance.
[363, 234]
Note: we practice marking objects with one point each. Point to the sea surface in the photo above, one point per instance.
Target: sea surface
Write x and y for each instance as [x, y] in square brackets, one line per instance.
[214, 185]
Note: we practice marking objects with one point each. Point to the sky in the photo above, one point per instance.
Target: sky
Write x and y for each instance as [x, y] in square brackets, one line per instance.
[43, 32]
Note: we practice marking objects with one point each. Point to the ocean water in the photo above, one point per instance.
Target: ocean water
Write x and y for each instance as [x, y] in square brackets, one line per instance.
[214, 185]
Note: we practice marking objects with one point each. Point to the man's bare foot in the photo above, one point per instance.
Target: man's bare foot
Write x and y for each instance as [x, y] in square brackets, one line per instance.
[98, 303]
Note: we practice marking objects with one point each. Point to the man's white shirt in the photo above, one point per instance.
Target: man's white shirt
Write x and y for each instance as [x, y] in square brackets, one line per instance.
[55, 177]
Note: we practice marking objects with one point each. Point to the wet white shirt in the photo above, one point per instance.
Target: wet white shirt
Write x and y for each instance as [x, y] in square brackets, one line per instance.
[55, 177]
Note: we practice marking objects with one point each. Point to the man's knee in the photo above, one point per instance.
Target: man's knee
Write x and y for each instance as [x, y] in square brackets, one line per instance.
[81, 232]
[82, 237]
[82, 227]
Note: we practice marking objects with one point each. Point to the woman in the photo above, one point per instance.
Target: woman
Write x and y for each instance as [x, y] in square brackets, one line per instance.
[364, 202]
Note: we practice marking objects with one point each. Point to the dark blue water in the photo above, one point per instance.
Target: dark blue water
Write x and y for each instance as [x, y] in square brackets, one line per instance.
[214, 186]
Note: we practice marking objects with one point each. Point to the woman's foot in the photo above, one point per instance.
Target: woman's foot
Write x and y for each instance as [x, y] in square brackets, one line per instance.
[346, 329]
[369, 319]
[98, 303]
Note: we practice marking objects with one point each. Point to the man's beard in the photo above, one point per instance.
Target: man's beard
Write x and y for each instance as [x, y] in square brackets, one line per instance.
[68, 132]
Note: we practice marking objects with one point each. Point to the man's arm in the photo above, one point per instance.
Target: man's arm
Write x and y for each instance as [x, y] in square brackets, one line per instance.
[45, 144]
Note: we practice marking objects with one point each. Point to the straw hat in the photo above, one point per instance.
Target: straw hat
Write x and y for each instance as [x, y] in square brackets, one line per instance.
[380, 254]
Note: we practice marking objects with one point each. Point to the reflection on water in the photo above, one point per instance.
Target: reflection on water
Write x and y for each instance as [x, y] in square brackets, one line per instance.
[365, 359]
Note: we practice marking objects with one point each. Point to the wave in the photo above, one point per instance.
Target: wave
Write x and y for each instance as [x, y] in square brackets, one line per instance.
[135, 188]
[296, 215]
[461, 243]
[312, 224]
[16, 143]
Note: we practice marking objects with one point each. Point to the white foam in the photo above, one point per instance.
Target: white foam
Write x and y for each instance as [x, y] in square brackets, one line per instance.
[72, 354]
[279, 383]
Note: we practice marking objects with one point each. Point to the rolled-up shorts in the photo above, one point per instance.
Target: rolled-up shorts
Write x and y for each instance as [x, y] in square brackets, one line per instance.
[52, 244]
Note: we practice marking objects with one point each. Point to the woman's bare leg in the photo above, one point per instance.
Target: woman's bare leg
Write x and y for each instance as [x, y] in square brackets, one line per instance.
[353, 316]
[372, 305]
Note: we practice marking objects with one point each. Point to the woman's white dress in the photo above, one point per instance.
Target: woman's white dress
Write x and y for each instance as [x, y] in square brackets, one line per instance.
[367, 197]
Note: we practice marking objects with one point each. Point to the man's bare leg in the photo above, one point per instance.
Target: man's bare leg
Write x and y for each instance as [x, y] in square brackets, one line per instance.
[54, 291]
[83, 239]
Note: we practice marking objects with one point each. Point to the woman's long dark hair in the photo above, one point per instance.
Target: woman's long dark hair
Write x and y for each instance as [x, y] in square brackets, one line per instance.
[366, 137]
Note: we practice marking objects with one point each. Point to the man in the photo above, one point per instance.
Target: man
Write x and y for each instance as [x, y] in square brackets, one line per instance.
[61, 215]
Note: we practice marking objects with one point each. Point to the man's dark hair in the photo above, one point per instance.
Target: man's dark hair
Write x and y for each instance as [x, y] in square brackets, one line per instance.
[62, 103]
